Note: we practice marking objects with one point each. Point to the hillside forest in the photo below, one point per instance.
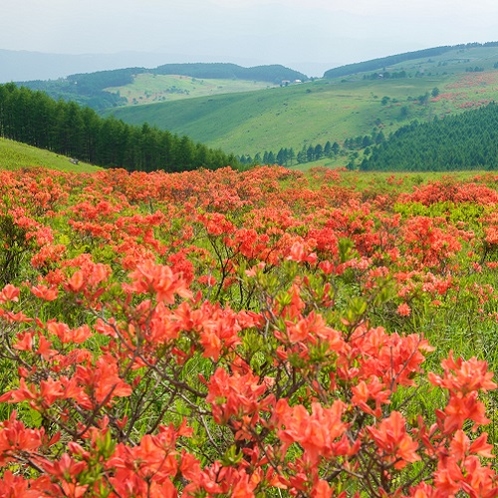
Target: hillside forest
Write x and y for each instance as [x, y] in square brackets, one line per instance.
[464, 141]
[32, 117]
[456, 142]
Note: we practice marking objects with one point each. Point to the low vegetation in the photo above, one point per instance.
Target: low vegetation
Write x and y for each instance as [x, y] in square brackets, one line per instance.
[266, 333]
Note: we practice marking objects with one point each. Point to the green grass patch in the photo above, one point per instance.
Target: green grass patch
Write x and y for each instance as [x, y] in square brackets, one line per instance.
[153, 88]
[16, 155]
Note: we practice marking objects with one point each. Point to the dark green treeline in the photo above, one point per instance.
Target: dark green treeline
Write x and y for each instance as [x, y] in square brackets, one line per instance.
[464, 141]
[32, 117]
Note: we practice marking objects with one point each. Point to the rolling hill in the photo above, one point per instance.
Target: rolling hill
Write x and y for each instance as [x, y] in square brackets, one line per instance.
[102, 89]
[32, 117]
[393, 60]
[242, 111]
[436, 83]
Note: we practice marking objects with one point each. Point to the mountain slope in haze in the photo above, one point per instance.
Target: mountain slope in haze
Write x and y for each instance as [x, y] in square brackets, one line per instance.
[152, 88]
[30, 66]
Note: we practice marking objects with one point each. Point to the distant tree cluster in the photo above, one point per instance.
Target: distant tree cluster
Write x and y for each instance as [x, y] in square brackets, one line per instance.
[66, 128]
[99, 80]
[463, 141]
[362, 141]
[88, 89]
[288, 157]
[385, 75]
[284, 157]
[271, 73]
[476, 69]
[310, 153]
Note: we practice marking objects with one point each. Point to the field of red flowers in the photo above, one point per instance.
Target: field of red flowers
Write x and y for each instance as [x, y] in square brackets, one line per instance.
[265, 333]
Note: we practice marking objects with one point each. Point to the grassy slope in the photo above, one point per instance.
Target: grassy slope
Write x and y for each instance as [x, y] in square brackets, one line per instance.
[15, 155]
[326, 109]
[282, 117]
[150, 88]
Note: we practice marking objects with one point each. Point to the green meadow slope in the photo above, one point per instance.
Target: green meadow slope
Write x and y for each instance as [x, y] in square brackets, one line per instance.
[147, 88]
[102, 90]
[247, 123]
[332, 109]
[16, 155]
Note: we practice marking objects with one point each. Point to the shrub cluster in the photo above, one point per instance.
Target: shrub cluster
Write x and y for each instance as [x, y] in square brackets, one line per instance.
[239, 334]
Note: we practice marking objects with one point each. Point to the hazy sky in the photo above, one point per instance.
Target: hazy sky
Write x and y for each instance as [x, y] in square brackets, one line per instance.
[302, 34]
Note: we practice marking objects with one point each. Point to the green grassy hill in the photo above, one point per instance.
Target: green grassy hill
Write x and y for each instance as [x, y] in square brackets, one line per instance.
[102, 90]
[148, 88]
[464, 53]
[293, 116]
[332, 109]
[15, 155]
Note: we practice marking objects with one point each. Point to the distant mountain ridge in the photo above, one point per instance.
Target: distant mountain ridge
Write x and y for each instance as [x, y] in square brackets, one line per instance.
[88, 88]
[272, 73]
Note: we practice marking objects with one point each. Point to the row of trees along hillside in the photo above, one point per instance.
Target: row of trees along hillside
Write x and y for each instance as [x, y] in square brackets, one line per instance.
[463, 141]
[374, 64]
[66, 128]
[274, 73]
[288, 157]
[88, 89]
[309, 153]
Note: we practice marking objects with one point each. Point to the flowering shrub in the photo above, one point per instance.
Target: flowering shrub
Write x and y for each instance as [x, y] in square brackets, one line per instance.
[235, 334]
